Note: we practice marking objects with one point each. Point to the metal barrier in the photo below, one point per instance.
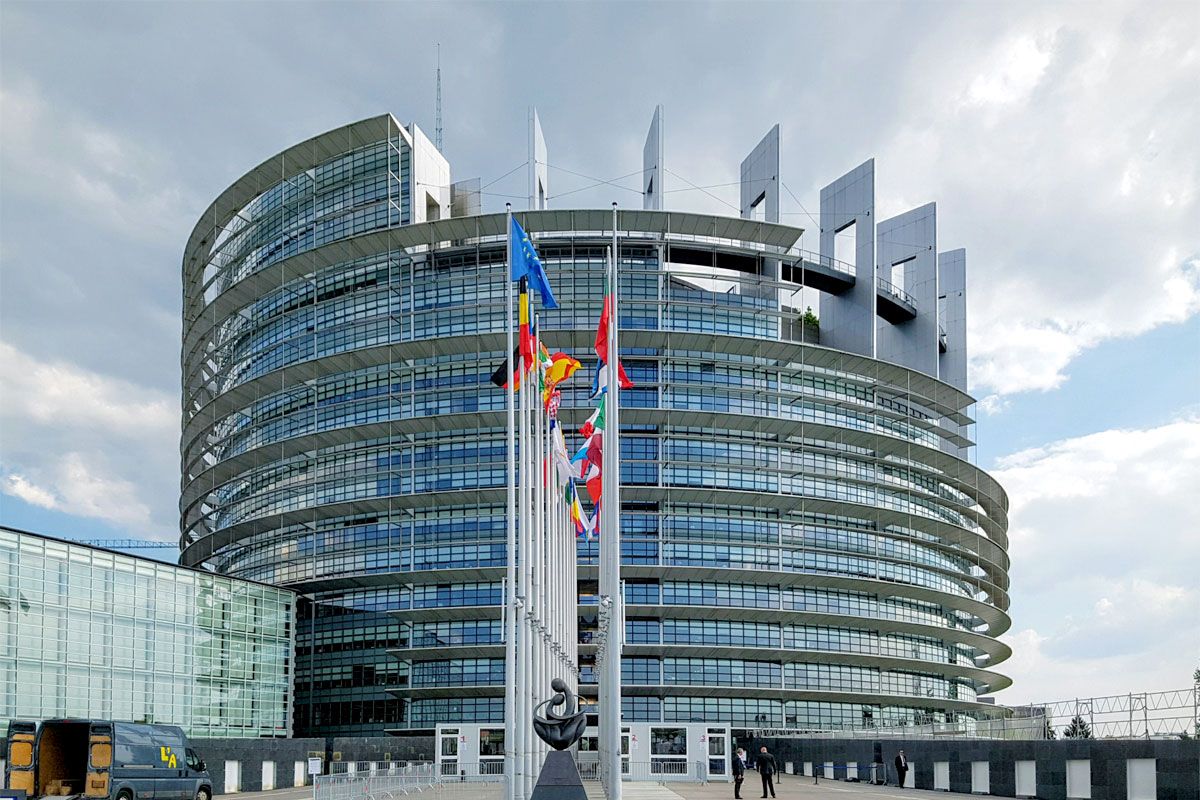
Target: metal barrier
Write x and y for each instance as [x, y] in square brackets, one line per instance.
[665, 770]
[485, 771]
[388, 784]
[657, 770]
[370, 767]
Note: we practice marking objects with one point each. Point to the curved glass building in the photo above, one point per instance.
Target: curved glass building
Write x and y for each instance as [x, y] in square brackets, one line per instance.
[806, 543]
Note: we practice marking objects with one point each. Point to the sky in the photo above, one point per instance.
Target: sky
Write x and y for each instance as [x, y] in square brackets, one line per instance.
[1061, 143]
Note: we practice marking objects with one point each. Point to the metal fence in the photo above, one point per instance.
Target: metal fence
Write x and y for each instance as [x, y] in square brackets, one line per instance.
[1138, 715]
[392, 782]
[371, 767]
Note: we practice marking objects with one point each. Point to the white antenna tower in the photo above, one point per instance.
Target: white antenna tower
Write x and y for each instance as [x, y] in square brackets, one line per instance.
[437, 129]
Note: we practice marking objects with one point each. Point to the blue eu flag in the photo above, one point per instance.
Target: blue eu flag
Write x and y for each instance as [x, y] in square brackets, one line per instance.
[526, 264]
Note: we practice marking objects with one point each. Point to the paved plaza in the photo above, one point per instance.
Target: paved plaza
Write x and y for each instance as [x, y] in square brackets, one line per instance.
[792, 787]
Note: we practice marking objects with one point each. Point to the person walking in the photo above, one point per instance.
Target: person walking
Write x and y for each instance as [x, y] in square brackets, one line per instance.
[739, 772]
[901, 767]
[766, 770]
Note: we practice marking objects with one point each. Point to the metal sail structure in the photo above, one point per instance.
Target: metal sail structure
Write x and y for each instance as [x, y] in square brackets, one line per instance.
[611, 596]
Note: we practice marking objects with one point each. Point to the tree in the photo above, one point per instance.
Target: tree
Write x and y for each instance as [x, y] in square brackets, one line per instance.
[1049, 734]
[1078, 729]
[811, 321]
[1195, 675]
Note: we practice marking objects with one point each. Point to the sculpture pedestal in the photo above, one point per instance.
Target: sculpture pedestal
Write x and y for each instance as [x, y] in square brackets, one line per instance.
[559, 779]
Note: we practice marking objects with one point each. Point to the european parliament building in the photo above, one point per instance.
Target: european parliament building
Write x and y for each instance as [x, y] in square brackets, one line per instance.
[806, 543]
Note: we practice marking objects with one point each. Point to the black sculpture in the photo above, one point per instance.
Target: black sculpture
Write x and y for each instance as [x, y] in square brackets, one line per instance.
[559, 778]
[560, 731]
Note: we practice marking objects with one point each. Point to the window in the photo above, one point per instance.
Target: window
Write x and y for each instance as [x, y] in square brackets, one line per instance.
[668, 741]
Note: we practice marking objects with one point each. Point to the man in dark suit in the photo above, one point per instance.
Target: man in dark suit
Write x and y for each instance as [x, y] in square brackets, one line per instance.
[739, 772]
[901, 767]
[766, 770]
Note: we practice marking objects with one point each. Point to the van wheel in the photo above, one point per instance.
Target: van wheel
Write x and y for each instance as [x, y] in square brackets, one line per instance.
[125, 795]
[202, 795]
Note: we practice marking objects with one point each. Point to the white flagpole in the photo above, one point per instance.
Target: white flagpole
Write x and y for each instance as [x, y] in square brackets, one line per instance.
[610, 539]
[539, 530]
[510, 607]
[523, 707]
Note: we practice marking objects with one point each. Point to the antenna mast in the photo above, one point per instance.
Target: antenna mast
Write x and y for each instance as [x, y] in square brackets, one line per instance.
[437, 130]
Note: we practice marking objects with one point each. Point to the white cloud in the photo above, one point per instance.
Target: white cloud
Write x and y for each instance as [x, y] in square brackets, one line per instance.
[63, 395]
[1105, 552]
[1012, 73]
[59, 155]
[18, 486]
[86, 444]
[1066, 159]
[77, 485]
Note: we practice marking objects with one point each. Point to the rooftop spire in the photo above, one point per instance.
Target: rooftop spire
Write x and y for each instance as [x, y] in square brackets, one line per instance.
[437, 127]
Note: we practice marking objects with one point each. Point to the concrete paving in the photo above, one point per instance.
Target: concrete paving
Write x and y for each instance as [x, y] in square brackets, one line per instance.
[797, 787]
[792, 787]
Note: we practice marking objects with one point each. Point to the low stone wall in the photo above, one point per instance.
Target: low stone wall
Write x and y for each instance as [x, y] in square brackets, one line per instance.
[1175, 767]
[249, 755]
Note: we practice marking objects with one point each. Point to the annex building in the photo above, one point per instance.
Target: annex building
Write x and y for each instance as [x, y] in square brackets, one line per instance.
[92, 633]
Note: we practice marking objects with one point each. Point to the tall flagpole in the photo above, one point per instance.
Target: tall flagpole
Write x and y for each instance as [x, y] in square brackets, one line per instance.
[525, 704]
[610, 538]
[510, 605]
[538, 587]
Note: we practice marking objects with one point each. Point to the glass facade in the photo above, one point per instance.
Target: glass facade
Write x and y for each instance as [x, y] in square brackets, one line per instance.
[797, 522]
[86, 632]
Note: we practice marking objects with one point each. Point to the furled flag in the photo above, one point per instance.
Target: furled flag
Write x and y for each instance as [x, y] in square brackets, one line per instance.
[527, 266]
[602, 341]
[558, 447]
[552, 405]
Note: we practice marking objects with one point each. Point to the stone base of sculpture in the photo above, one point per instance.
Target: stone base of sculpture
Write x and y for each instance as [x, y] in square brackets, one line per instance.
[559, 779]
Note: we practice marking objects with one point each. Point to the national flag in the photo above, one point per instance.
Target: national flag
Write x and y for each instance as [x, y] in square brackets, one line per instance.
[595, 450]
[591, 524]
[595, 422]
[561, 367]
[577, 516]
[543, 365]
[602, 342]
[527, 266]
[592, 473]
[595, 484]
[526, 345]
[599, 381]
[500, 376]
[553, 404]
